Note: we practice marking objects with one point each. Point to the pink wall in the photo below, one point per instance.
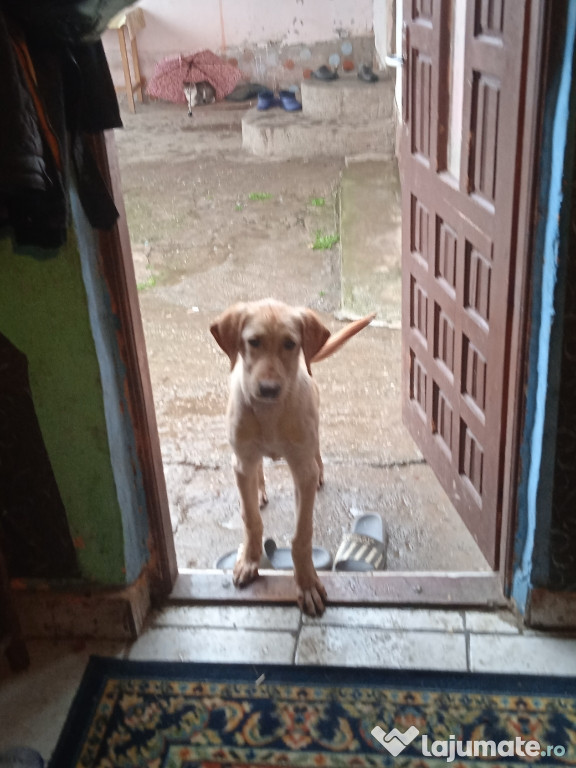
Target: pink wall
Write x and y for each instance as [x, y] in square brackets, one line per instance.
[232, 27]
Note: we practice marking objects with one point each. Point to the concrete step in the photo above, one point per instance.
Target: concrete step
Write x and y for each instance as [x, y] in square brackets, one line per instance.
[348, 99]
[370, 241]
[343, 117]
[276, 133]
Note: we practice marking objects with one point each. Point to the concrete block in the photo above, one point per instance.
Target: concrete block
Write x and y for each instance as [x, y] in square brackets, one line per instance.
[348, 99]
[276, 133]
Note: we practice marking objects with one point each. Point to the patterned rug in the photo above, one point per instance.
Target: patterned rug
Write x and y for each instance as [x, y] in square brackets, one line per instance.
[181, 715]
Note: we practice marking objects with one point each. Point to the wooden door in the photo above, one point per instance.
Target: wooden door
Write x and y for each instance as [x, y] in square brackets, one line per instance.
[459, 157]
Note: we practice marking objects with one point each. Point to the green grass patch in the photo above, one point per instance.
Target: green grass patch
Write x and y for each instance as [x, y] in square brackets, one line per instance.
[150, 283]
[259, 196]
[325, 242]
[318, 202]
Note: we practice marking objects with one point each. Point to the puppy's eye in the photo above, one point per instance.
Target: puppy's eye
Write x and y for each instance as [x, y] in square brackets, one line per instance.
[254, 342]
[289, 343]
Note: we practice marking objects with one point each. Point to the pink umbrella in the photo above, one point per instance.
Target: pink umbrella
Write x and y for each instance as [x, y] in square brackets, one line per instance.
[171, 73]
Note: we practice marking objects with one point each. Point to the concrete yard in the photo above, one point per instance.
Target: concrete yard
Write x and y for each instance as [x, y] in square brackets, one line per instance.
[211, 224]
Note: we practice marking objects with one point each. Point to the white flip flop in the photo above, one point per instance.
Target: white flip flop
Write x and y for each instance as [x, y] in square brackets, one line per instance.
[281, 557]
[228, 561]
[364, 548]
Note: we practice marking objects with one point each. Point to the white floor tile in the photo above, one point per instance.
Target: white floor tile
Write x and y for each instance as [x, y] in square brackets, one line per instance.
[215, 645]
[230, 617]
[391, 618]
[488, 622]
[34, 704]
[356, 647]
[523, 654]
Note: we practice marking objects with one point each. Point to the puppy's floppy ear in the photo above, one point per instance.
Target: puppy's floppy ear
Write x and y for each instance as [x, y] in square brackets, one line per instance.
[227, 328]
[314, 335]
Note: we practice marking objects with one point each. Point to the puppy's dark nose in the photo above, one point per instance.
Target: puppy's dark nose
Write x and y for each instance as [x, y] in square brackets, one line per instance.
[269, 389]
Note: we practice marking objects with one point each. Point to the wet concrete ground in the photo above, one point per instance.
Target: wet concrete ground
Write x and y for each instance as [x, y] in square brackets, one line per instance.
[211, 225]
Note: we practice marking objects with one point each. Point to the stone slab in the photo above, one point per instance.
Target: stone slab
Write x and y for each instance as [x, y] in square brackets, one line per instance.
[280, 134]
[348, 99]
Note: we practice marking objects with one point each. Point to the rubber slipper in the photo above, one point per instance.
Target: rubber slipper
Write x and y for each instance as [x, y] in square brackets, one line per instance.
[325, 73]
[281, 557]
[228, 561]
[266, 99]
[289, 101]
[364, 548]
[366, 74]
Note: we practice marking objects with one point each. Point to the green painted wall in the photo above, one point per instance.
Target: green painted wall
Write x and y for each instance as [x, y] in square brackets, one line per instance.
[43, 311]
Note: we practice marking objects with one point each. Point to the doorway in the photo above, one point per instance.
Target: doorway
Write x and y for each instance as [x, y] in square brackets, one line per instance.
[186, 311]
[231, 226]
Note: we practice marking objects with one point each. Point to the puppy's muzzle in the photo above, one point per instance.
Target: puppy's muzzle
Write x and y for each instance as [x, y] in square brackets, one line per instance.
[269, 390]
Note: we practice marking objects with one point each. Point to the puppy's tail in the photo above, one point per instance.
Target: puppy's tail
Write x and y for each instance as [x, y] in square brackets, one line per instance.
[341, 337]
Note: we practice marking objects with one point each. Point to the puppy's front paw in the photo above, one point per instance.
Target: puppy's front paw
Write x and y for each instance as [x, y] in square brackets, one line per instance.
[312, 599]
[245, 572]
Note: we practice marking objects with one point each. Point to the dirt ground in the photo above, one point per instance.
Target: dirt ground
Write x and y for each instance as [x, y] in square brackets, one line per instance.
[211, 225]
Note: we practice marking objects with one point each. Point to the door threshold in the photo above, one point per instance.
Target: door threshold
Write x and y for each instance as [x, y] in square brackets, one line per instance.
[441, 589]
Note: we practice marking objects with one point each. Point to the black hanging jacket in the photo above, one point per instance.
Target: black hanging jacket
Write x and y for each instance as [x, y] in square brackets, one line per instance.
[55, 87]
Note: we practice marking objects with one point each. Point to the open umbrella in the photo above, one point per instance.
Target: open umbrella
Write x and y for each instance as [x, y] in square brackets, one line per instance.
[171, 73]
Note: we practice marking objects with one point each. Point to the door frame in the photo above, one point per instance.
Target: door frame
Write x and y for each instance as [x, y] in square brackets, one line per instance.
[487, 589]
[117, 269]
[538, 52]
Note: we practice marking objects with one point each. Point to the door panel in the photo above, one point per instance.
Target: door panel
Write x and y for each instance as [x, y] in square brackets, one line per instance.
[460, 142]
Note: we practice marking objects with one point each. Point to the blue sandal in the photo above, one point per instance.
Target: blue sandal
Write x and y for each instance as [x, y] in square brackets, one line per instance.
[289, 101]
[266, 99]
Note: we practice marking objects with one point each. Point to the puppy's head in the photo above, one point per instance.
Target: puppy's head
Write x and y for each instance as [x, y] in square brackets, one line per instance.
[269, 336]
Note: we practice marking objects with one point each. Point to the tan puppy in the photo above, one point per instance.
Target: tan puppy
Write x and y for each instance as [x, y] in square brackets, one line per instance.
[273, 411]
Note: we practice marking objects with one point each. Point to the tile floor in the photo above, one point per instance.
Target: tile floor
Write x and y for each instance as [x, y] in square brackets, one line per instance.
[34, 704]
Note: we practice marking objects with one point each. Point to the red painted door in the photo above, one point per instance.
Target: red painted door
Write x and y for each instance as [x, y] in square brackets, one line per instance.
[459, 159]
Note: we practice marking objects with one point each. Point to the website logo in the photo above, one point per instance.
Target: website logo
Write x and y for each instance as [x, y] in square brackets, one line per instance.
[395, 741]
[453, 748]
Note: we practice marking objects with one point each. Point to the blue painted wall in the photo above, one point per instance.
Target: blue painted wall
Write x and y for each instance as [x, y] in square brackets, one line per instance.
[532, 545]
[121, 439]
